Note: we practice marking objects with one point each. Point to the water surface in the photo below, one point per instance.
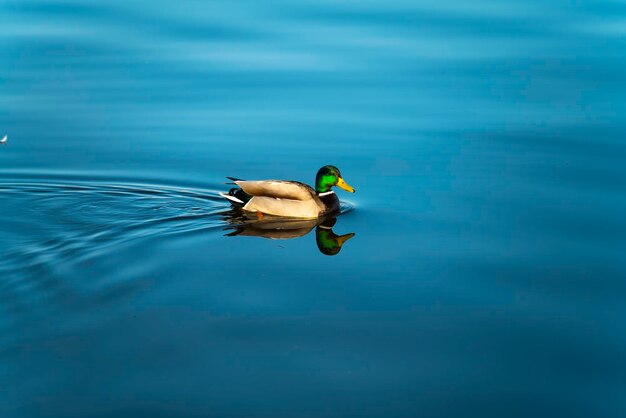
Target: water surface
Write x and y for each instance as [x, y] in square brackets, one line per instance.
[486, 273]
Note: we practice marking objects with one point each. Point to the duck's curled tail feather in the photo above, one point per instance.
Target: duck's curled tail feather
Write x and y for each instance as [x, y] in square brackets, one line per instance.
[236, 196]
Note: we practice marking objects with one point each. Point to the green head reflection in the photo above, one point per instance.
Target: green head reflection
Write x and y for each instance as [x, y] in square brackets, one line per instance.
[328, 242]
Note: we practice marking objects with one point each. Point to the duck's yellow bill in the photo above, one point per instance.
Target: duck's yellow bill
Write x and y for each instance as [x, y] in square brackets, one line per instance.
[341, 183]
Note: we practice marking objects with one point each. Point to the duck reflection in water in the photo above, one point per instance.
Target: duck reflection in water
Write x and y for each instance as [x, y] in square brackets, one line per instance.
[328, 242]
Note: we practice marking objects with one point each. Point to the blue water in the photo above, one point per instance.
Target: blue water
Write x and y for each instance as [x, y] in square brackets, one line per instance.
[486, 141]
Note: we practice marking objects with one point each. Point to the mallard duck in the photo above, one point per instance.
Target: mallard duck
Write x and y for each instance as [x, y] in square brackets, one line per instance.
[289, 198]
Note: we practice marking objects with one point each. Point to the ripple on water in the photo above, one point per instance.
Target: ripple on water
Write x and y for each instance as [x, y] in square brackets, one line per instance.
[57, 232]
[65, 238]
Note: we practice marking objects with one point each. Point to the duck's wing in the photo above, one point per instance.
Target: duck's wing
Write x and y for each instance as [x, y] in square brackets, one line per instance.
[279, 189]
[292, 208]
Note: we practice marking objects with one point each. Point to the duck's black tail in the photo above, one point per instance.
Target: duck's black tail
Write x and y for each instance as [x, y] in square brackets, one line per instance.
[233, 179]
[236, 196]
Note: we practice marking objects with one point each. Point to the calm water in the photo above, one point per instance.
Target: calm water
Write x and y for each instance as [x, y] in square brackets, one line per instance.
[486, 141]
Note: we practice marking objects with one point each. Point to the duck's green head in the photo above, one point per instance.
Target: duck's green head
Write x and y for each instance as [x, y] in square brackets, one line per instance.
[329, 176]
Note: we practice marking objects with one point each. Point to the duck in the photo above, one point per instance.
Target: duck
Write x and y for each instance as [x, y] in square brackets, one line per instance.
[291, 199]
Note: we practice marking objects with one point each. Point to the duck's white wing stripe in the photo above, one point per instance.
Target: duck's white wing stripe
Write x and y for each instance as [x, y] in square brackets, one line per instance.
[231, 198]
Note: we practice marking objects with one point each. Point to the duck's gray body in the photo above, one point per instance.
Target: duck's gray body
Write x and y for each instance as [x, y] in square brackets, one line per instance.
[283, 198]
